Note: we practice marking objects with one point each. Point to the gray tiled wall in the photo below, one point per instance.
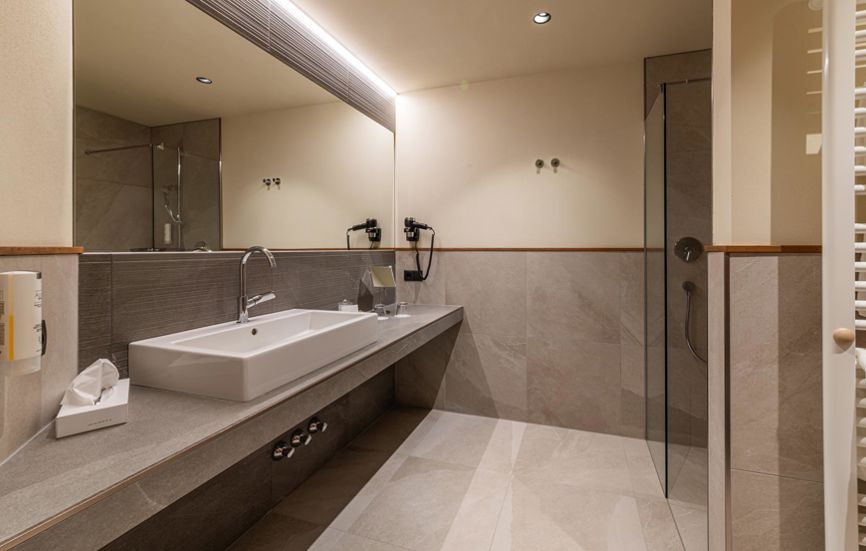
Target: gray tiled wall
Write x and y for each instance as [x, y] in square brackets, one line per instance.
[126, 297]
[113, 203]
[29, 402]
[775, 403]
[548, 337]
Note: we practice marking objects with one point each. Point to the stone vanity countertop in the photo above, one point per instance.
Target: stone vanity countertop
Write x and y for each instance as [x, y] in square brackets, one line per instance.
[51, 479]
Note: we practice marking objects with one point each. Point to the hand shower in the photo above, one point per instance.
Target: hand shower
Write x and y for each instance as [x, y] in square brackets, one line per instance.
[167, 205]
[689, 288]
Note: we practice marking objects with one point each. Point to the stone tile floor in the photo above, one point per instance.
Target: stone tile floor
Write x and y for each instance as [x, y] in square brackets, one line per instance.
[460, 482]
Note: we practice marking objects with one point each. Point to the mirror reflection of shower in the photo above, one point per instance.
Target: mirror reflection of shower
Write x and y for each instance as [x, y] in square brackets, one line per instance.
[146, 188]
[160, 146]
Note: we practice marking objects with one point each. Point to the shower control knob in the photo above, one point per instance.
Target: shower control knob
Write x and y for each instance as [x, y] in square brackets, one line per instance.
[282, 451]
[300, 438]
[688, 249]
[317, 425]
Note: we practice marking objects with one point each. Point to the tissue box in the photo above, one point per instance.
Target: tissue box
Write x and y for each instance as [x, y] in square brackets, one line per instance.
[112, 409]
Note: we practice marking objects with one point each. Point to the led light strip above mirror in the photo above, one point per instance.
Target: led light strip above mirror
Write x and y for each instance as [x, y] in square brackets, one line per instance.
[283, 30]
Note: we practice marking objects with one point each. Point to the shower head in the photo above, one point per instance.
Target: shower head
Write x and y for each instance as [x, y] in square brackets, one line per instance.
[166, 204]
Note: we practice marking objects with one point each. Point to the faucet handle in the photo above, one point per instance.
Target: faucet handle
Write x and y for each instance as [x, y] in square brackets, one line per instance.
[258, 299]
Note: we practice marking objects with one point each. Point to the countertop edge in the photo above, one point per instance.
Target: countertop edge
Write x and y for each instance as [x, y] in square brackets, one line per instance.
[446, 319]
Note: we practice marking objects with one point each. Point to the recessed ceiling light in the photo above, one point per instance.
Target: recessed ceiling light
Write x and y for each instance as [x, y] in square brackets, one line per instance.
[204, 80]
[541, 18]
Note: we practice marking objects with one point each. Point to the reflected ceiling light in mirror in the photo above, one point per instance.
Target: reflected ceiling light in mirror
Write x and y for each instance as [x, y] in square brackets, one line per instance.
[541, 18]
[204, 80]
[332, 42]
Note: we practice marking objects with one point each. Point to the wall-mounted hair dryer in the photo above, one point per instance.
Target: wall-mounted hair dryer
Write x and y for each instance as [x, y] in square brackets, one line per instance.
[370, 227]
[412, 229]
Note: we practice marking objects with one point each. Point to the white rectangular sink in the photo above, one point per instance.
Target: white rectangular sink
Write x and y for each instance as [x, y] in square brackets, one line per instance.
[240, 361]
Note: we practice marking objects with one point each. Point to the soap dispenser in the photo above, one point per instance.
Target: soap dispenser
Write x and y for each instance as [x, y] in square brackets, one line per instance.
[22, 331]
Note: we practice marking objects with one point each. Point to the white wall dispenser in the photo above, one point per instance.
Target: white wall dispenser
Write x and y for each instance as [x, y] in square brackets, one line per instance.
[21, 326]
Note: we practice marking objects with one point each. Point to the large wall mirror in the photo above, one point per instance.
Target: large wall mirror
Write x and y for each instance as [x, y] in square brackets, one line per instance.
[190, 137]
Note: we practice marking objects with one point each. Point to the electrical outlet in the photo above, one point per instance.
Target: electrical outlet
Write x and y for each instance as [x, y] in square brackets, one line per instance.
[412, 275]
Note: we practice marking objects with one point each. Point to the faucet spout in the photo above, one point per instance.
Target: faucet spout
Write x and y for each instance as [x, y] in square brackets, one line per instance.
[244, 302]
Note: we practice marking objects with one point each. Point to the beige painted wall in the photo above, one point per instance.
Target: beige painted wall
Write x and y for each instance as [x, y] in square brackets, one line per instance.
[767, 189]
[36, 124]
[465, 160]
[336, 167]
[36, 198]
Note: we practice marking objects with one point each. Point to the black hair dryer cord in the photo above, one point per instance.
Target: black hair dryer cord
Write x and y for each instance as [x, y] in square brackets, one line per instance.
[425, 274]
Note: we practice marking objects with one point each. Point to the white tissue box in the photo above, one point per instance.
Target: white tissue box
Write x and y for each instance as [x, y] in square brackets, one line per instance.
[112, 409]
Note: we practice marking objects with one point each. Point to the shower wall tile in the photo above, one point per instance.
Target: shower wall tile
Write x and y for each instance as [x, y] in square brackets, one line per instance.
[776, 454]
[772, 513]
[775, 365]
[549, 337]
[675, 68]
[113, 207]
[128, 296]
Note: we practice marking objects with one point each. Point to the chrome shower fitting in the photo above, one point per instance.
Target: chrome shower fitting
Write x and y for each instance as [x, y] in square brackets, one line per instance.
[689, 288]
[688, 249]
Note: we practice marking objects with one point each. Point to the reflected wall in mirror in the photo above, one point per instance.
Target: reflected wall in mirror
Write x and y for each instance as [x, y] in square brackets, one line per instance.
[255, 154]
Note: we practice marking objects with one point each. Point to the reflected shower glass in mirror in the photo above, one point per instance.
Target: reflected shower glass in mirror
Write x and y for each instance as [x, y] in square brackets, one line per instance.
[190, 137]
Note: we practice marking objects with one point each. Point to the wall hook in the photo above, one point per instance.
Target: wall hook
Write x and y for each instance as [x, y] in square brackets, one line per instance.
[554, 162]
[539, 164]
[267, 182]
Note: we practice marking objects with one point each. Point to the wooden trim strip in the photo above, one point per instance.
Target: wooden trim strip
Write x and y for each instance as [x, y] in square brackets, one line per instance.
[324, 249]
[27, 251]
[763, 249]
[530, 249]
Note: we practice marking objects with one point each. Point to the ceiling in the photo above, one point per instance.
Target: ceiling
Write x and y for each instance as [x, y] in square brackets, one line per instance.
[414, 45]
[138, 60]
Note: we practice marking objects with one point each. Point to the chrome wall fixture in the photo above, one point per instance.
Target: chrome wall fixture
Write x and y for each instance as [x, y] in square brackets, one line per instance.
[285, 448]
[555, 163]
[245, 302]
[688, 249]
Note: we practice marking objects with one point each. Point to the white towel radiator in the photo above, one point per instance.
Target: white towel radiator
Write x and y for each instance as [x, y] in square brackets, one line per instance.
[844, 261]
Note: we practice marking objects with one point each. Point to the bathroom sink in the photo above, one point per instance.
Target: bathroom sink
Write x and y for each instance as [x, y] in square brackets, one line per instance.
[240, 361]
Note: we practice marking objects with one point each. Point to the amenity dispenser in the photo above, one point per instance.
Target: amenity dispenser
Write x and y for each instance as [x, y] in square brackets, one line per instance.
[21, 326]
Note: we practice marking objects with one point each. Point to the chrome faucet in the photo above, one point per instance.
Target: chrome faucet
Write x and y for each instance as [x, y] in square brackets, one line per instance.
[245, 303]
